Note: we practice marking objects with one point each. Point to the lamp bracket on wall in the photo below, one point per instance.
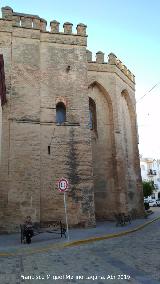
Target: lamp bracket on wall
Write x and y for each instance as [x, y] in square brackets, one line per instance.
[68, 68]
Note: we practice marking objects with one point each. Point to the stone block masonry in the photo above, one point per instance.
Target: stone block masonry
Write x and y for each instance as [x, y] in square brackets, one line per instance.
[44, 69]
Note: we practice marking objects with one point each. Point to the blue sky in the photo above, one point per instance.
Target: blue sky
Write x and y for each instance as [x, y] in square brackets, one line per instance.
[130, 29]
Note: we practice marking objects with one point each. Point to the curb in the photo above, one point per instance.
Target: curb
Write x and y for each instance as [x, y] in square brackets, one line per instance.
[76, 243]
[110, 236]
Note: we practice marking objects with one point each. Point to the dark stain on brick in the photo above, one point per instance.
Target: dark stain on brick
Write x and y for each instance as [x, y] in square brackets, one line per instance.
[87, 201]
[131, 195]
[72, 162]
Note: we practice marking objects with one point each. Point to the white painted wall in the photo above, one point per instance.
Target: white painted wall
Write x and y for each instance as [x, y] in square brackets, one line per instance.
[147, 164]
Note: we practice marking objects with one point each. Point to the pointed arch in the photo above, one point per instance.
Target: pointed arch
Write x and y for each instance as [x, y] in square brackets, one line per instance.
[102, 89]
[130, 105]
[132, 114]
[130, 141]
[103, 151]
[104, 92]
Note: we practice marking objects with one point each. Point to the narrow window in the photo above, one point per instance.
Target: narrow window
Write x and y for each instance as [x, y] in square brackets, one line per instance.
[60, 113]
[92, 115]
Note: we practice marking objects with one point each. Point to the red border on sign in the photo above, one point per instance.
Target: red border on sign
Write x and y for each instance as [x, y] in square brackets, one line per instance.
[67, 184]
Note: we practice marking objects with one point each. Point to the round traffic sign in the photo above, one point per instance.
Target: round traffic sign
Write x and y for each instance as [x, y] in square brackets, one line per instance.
[63, 184]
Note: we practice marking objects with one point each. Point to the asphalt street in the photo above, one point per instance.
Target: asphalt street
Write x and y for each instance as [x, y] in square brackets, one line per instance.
[134, 258]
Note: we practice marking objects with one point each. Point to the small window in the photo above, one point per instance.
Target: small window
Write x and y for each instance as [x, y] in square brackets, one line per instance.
[143, 167]
[92, 115]
[60, 113]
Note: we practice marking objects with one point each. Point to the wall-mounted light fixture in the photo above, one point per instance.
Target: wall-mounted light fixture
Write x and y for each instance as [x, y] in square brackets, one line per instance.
[68, 68]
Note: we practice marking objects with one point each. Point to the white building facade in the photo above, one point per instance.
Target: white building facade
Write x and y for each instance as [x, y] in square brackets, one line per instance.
[150, 171]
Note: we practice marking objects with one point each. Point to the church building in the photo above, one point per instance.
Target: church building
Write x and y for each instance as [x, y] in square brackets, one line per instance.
[64, 115]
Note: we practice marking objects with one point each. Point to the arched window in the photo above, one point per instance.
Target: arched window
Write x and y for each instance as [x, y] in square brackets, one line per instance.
[92, 115]
[60, 113]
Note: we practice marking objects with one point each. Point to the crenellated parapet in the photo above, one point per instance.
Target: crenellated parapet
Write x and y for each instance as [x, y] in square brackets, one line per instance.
[81, 29]
[100, 57]
[35, 22]
[112, 61]
[32, 26]
[54, 26]
[7, 13]
[23, 20]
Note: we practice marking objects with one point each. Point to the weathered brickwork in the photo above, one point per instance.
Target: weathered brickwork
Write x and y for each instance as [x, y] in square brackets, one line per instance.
[43, 69]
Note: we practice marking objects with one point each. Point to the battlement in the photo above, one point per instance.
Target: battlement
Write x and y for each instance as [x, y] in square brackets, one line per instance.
[16, 22]
[35, 22]
[112, 60]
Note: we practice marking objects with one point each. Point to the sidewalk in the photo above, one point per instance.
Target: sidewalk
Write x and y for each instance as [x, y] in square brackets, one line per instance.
[10, 244]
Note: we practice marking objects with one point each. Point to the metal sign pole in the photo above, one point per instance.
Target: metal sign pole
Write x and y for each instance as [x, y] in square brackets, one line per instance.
[65, 207]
